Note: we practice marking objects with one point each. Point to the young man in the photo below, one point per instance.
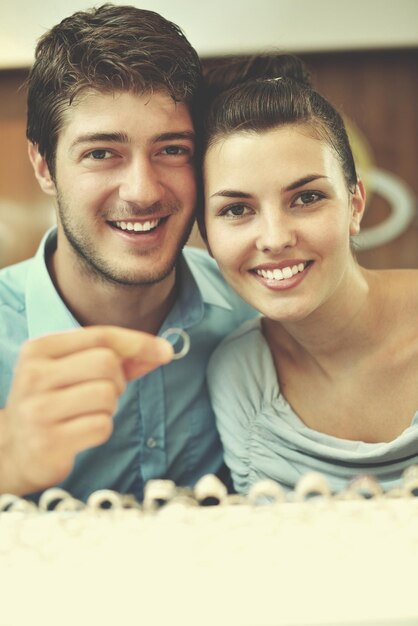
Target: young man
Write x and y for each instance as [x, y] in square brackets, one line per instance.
[111, 104]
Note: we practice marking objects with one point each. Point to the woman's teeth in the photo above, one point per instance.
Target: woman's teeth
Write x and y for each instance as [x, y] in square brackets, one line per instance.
[281, 274]
[138, 226]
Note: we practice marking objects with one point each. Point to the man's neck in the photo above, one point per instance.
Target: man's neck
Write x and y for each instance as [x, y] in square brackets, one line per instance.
[91, 301]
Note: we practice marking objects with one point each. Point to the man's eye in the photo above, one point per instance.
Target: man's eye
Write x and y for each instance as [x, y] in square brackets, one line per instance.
[308, 197]
[99, 155]
[176, 150]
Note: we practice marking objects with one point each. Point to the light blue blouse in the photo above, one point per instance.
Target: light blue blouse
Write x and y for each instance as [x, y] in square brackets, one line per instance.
[264, 438]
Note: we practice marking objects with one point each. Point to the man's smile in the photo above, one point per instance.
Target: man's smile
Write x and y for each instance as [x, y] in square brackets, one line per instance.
[137, 226]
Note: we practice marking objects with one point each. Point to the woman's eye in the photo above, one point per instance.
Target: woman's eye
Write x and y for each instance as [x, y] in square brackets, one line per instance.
[236, 210]
[308, 197]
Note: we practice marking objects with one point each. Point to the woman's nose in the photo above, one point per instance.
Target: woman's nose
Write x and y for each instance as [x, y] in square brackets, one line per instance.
[276, 231]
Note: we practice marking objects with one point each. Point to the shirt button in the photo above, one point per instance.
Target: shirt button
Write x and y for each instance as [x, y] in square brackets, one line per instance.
[151, 443]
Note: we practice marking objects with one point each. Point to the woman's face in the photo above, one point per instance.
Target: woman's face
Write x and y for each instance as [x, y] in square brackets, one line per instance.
[279, 217]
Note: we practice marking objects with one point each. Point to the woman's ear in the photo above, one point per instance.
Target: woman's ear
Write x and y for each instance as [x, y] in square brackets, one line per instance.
[41, 170]
[358, 205]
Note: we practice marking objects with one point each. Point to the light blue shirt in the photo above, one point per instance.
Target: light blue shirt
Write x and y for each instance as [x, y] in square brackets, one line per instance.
[264, 438]
[164, 426]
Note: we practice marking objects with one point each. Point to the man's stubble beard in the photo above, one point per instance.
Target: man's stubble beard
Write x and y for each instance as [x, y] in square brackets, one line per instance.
[97, 268]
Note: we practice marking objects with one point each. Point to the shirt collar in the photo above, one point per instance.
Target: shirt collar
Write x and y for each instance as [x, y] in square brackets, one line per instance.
[46, 312]
[195, 291]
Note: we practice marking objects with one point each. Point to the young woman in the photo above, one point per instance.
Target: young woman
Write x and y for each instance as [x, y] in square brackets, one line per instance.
[327, 378]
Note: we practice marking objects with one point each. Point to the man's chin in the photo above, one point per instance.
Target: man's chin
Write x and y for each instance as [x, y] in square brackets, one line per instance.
[140, 278]
[125, 271]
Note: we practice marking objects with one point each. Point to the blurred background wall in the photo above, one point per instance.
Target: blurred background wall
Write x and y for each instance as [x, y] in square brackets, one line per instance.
[363, 56]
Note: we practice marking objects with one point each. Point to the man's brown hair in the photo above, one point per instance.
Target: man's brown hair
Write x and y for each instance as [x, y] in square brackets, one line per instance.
[111, 48]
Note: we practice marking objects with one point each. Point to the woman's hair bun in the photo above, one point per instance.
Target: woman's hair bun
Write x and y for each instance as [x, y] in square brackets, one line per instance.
[232, 71]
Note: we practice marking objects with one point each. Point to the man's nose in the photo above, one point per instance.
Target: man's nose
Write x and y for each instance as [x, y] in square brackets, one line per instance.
[276, 231]
[140, 183]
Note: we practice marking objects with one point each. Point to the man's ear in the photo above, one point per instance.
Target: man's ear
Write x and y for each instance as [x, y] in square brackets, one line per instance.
[358, 205]
[41, 170]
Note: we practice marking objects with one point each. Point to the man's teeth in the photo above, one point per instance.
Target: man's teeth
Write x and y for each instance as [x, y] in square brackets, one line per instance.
[138, 226]
[285, 272]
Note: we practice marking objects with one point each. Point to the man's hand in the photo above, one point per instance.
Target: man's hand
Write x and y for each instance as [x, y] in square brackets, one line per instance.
[63, 397]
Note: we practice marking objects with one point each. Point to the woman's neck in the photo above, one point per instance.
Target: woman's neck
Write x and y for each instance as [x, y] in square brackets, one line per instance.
[346, 325]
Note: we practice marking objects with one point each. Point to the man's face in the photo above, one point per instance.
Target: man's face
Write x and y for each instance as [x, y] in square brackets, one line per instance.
[125, 185]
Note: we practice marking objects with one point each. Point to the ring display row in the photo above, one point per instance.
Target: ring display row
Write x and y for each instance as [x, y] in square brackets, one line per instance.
[210, 491]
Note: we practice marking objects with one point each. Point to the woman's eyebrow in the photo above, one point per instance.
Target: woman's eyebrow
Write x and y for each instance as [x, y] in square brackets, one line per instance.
[230, 193]
[303, 181]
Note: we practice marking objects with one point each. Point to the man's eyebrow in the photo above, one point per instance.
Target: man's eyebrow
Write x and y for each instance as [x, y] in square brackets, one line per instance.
[119, 137]
[175, 136]
[97, 137]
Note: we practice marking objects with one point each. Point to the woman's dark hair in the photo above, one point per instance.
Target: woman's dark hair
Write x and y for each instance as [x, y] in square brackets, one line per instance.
[107, 49]
[262, 92]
